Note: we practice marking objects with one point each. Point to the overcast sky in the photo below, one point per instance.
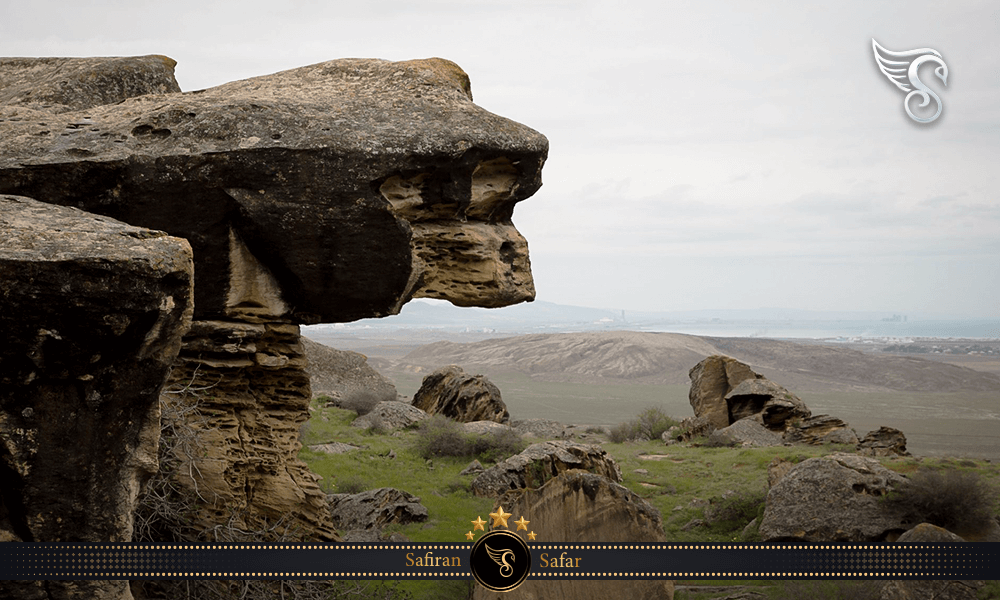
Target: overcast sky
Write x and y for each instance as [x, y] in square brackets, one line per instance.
[703, 154]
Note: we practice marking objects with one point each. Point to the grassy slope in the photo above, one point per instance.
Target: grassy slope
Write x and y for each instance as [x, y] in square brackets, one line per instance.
[684, 474]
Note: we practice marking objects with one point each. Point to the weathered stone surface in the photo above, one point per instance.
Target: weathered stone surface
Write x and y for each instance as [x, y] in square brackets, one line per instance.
[937, 589]
[58, 85]
[539, 428]
[334, 372]
[777, 469]
[748, 432]
[475, 467]
[239, 394]
[692, 427]
[391, 416]
[541, 462]
[832, 499]
[885, 441]
[374, 509]
[452, 392]
[925, 532]
[334, 448]
[579, 507]
[772, 402]
[331, 192]
[711, 380]
[91, 317]
[486, 427]
[821, 429]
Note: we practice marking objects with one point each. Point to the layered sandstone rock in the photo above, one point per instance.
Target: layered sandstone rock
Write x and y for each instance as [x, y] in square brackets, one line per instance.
[332, 192]
[452, 392]
[834, 498]
[372, 510]
[541, 462]
[326, 193]
[884, 441]
[91, 317]
[579, 507]
[820, 429]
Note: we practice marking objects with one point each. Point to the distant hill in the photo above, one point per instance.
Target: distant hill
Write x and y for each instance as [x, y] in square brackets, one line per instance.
[666, 358]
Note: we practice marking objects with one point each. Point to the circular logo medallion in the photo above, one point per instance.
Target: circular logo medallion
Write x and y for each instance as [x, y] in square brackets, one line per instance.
[500, 561]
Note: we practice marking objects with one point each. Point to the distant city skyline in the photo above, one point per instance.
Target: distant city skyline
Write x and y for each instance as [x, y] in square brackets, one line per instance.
[704, 155]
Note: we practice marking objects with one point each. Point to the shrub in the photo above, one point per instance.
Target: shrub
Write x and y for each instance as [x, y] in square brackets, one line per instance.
[351, 485]
[363, 400]
[735, 512]
[440, 436]
[650, 424]
[496, 447]
[952, 499]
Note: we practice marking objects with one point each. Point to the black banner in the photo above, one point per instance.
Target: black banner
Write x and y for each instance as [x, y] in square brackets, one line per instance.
[548, 561]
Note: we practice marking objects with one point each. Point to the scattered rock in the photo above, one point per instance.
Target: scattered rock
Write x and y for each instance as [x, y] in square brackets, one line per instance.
[925, 532]
[539, 428]
[333, 448]
[374, 509]
[486, 427]
[475, 467]
[885, 441]
[541, 462]
[391, 416]
[749, 432]
[832, 499]
[693, 524]
[581, 507]
[451, 392]
[820, 429]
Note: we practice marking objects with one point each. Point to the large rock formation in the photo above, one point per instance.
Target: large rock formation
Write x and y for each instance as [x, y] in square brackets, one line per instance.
[452, 392]
[91, 316]
[541, 462]
[724, 390]
[820, 429]
[332, 192]
[579, 507]
[372, 510]
[834, 498]
[335, 372]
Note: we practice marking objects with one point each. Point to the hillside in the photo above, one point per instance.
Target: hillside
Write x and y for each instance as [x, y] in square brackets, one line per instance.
[665, 358]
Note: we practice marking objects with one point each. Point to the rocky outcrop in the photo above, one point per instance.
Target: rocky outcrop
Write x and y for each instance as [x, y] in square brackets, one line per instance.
[917, 589]
[820, 429]
[331, 193]
[374, 509]
[327, 193]
[91, 316]
[724, 391]
[541, 462]
[390, 416]
[578, 507]
[335, 372]
[925, 532]
[884, 441]
[834, 498]
[452, 392]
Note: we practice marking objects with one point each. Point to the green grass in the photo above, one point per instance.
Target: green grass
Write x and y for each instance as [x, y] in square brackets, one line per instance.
[683, 474]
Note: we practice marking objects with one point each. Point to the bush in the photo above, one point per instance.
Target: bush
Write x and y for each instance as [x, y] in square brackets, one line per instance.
[650, 424]
[363, 400]
[952, 499]
[732, 514]
[440, 436]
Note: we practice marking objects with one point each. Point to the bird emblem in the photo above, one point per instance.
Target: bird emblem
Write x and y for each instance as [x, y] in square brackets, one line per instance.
[500, 558]
[901, 68]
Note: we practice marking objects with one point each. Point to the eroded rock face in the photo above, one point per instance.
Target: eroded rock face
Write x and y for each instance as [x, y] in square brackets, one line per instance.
[452, 392]
[334, 372]
[374, 509]
[749, 432]
[582, 507]
[821, 429]
[884, 441]
[327, 193]
[711, 380]
[541, 462]
[834, 498]
[91, 317]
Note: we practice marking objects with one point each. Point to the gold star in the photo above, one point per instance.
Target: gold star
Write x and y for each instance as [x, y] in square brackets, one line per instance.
[531, 535]
[499, 518]
[469, 535]
[478, 524]
[522, 524]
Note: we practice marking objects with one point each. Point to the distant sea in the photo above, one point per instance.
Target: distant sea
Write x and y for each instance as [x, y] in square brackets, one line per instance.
[965, 329]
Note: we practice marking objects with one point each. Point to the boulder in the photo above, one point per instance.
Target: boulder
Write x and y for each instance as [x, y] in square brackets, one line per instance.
[539, 428]
[451, 392]
[820, 429]
[91, 317]
[749, 432]
[834, 498]
[580, 507]
[374, 509]
[541, 462]
[475, 468]
[763, 397]
[326, 193]
[391, 416]
[885, 441]
[925, 532]
[487, 427]
[777, 469]
[711, 380]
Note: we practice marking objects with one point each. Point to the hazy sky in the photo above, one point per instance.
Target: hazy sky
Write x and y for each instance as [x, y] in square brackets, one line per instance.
[703, 154]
